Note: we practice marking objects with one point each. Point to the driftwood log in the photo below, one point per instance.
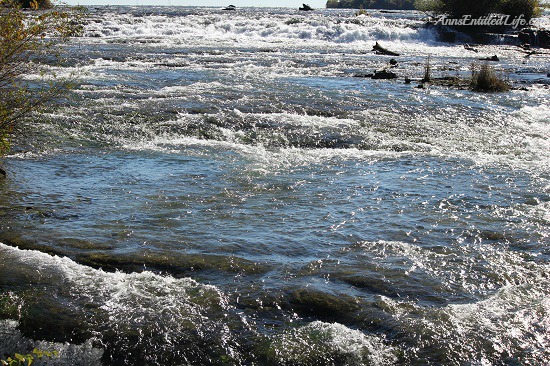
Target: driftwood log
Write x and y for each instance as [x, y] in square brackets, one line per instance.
[383, 51]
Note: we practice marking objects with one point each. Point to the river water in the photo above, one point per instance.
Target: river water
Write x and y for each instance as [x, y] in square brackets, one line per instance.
[220, 188]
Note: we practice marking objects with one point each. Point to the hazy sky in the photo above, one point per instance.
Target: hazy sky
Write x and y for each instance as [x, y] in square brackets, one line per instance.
[269, 3]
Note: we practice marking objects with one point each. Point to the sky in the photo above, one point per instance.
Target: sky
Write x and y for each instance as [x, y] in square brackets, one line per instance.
[268, 3]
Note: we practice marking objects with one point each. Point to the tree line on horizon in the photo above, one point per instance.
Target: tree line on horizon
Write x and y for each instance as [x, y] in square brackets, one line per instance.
[453, 8]
[372, 4]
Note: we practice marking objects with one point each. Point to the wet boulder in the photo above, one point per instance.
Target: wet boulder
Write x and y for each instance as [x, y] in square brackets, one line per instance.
[492, 58]
[384, 74]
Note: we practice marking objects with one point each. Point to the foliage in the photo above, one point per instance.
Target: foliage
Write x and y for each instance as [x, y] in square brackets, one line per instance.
[458, 8]
[35, 4]
[484, 79]
[371, 4]
[515, 8]
[479, 8]
[429, 5]
[361, 11]
[28, 359]
[27, 40]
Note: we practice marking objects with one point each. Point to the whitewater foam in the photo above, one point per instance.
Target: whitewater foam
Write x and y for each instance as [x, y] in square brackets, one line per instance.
[127, 303]
[331, 343]
[511, 324]
[264, 27]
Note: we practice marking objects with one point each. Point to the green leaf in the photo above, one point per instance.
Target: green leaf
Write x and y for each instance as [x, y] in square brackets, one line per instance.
[38, 353]
[20, 358]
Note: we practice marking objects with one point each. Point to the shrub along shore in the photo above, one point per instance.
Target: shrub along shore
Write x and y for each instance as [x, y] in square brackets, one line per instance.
[25, 35]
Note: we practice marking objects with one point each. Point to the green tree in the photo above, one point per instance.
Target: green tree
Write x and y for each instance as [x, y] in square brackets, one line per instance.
[35, 4]
[371, 4]
[515, 8]
[26, 40]
[458, 8]
[478, 8]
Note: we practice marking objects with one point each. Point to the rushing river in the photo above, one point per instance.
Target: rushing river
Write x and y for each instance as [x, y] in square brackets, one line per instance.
[220, 188]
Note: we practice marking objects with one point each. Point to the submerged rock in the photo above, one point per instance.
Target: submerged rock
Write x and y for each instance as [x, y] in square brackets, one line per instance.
[46, 316]
[378, 74]
[374, 285]
[177, 265]
[321, 305]
[363, 75]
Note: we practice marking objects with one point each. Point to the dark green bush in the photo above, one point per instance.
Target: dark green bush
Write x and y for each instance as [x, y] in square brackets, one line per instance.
[516, 8]
[478, 8]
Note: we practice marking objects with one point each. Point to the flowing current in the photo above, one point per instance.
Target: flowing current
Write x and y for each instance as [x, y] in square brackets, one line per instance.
[221, 188]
